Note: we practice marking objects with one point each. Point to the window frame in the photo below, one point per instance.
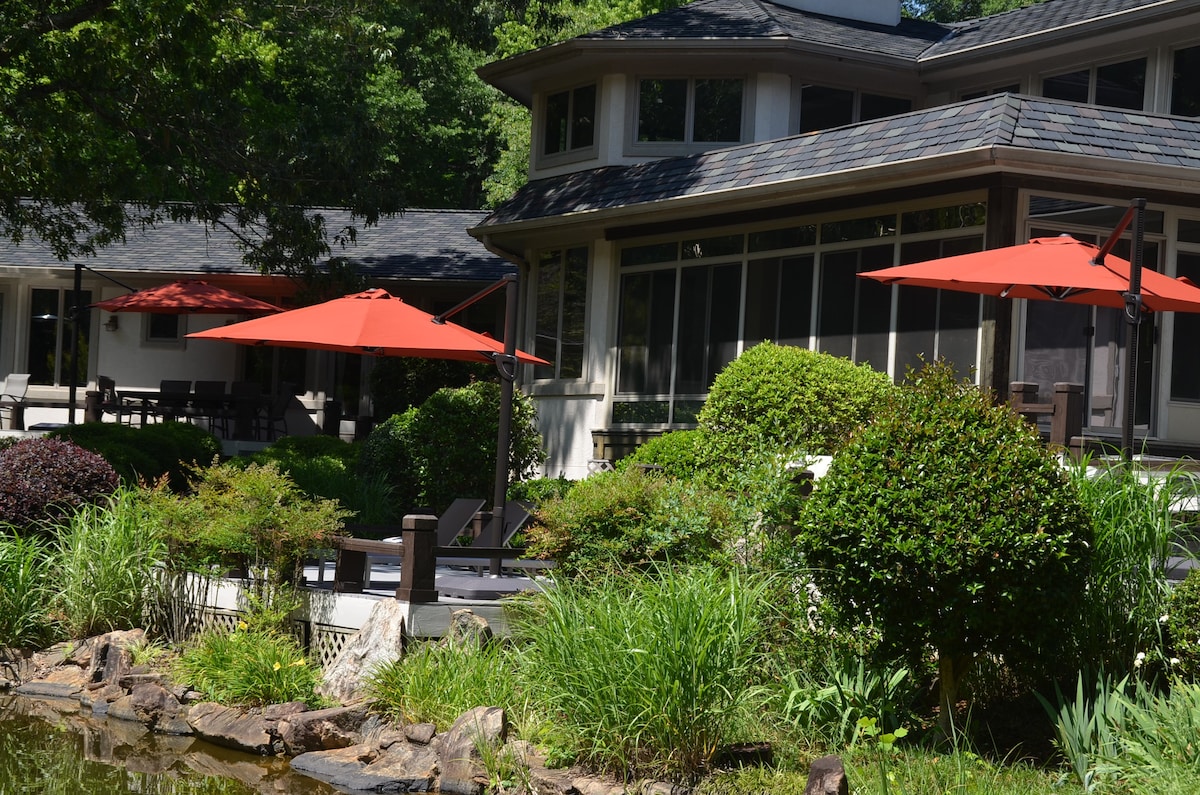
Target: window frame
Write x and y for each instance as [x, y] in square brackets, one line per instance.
[634, 147]
[564, 255]
[150, 338]
[1093, 80]
[569, 155]
[856, 100]
[61, 343]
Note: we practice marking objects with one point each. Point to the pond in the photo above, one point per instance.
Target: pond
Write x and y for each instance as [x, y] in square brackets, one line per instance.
[50, 748]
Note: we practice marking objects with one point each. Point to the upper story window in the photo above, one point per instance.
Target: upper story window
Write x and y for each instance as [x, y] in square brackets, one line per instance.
[1117, 85]
[570, 121]
[1185, 82]
[822, 107]
[690, 110]
[1012, 88]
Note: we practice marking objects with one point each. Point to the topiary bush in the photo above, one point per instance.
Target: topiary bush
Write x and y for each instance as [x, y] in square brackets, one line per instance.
[1183, 625]
[43, 480]
[446, 448]
[946, 523]
[789, 401]
[681, 454]
[622, 519]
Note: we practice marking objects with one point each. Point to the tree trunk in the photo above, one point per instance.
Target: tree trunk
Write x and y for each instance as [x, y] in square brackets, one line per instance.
[952, 671]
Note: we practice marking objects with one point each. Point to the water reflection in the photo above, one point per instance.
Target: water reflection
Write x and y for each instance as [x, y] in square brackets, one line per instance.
[50, 747]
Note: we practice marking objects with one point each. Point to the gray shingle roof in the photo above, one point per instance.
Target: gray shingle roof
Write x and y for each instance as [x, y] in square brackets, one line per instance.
[911, 39]
[419, 244]
[1000, 120]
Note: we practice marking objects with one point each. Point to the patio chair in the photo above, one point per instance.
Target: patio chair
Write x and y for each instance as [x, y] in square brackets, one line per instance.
[111, 402]
[174, 404]
[273, 418]
[452, 525]
[12, 400]
[208, 404]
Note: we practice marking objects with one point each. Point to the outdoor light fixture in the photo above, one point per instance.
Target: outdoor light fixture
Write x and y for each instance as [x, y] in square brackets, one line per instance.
[112, 324]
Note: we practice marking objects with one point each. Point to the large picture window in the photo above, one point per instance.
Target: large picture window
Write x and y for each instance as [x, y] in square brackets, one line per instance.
[1185, 82]
[688, 307]
[1118, 85]
[561, 298]
[690, 110]
[52, 319]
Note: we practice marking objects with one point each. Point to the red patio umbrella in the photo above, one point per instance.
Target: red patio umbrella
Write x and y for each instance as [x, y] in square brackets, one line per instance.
[1067, 270]
[1048, 269]
[371, 322]
[186, 297]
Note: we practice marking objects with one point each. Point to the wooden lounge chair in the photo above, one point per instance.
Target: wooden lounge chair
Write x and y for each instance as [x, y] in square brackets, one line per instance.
[452, 524]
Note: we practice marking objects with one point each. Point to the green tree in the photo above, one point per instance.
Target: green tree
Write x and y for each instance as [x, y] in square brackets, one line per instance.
[946, 523]
[959, 10]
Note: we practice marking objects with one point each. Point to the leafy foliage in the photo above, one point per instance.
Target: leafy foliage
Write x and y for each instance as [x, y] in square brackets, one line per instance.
[681, 454]
[1183, 624]
[145, 454]
[617, 520]
[401, 382]
[44, 480]
[960, 10]
[790, 401]
[446, 448]
[248, 667]
[947, 523]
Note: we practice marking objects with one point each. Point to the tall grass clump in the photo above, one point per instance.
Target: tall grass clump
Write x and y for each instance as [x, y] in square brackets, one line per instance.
[1158, 749]
[248, 667]
[437, 682]
[1137, 527]
[25, 592]
[105, 565]
[647, 674]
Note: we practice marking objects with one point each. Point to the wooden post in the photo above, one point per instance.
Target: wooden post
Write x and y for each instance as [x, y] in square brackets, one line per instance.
[419, 533]
[91, 407]
[1022, 392]
[1067, 421]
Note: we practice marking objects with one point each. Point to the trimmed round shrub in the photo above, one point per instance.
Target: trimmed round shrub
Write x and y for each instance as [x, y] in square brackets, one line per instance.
[386, 454]
[679, 453]
[947, 523]
[789, 401]
[43, 480]
[1183, 624]
[146, 454]
[621, 519]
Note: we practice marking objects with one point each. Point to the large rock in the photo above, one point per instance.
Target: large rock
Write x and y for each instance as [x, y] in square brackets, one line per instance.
[380, 640]
[234, 728]
[154, 707]
[458, 749]
[402, 767]
[467, 629]
[827, 776]
[322, 729]
[106, 657]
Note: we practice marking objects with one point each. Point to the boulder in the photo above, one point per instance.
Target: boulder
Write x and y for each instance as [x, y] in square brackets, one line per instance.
[322, 729]
[106, 657]
[154, 707]
[380, 640]
[235, 728]
[827, 776]
[467, 628]
[458, 749]
[401, 768]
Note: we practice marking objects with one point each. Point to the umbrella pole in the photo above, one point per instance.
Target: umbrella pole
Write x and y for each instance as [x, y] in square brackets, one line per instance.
[1133, 316]
[507, 365]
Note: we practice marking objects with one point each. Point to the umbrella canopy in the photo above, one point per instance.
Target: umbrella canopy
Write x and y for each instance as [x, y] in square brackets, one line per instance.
[1048, 269]
[371, 322]
[186, 297]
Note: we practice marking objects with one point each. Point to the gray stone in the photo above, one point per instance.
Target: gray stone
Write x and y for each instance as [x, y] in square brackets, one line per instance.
[106, 657]
[552, 782]
[467, 628]
[380, 640]
[458, 749]
[42, 689]
[284, 711]
[234, 728]
[401, 768]
[420, 733]
[153, 706]
[827, 776]
[322, 729]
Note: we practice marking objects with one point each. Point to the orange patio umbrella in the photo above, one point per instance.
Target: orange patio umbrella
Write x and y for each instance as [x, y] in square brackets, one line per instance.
[185, 297]
[1048, 269]
[372, 322]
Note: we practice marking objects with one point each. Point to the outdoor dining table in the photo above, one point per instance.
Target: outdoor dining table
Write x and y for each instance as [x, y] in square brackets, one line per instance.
[147, 403]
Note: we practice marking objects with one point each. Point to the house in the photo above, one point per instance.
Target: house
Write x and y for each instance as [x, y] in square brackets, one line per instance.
[423, 256]
[717, 174]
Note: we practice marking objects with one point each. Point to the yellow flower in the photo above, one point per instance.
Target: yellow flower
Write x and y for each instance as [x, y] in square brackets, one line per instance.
[243, 626]
[297, 663]
[277, 666]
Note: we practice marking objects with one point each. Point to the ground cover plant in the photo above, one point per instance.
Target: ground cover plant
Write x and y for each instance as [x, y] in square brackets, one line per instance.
[249, 667]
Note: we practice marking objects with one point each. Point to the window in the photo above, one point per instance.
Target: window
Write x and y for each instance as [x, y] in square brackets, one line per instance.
[1185, 82]
[822, 107]
[1118, 85]
[561, 298]
[680, 110]
[52, 317]
[163, 328]
[570, 122]
[1013, 88]
[1185, 376]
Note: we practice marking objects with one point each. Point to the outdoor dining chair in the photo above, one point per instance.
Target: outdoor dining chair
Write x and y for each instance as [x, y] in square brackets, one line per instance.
[208, 404]
[174, 403]
[12, 397]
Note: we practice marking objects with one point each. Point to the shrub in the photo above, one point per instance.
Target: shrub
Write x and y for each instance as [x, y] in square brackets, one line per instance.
[45, 479]
[250, 668]
[613, 520]
[1183, 624]
[399, 383]
[448, 446]
[145, 454]
[790, 401]
[326, 467]
[681, 454]
[946, 522]
[540, 491]
[645, 675]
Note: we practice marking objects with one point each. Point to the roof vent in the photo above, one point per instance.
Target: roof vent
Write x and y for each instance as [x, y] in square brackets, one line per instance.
[881, 12]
